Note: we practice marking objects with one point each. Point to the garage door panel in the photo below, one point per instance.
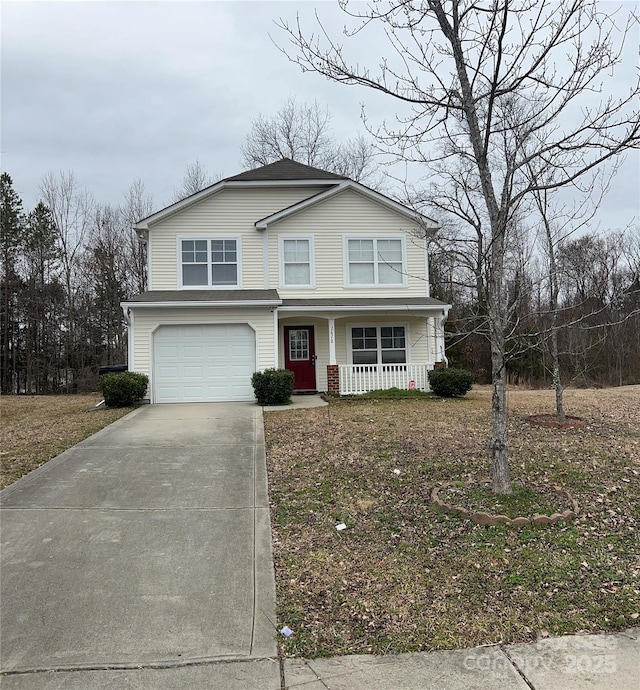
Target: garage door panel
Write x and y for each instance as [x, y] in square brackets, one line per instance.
[167, 392]
[204, 363]
[168, 352]
[196, 372]
[167, 372]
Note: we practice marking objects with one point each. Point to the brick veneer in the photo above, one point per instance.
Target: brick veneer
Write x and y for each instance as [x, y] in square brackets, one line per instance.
[333, 379]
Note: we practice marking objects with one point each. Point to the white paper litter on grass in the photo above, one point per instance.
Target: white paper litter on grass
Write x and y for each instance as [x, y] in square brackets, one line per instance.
[286, 631]
[396, 471]
[341, 526]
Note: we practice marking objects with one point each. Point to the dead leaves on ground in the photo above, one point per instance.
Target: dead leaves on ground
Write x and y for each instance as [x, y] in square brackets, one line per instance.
[402, 577]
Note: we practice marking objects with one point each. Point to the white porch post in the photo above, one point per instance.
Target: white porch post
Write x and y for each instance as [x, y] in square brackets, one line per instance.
[332, 340]
[275, 339]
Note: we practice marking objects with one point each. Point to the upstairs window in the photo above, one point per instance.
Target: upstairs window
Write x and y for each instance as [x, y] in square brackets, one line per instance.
[210, 263]
[378, 345]
[376, 261]
[296, 267]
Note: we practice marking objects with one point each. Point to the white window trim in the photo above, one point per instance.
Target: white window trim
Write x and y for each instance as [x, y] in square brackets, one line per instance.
[208, 238]
[390, 324]
[312, 262]
[345, 256]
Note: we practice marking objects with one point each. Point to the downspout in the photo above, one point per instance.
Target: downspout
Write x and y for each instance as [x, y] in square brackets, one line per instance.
[426, 266]
[265, 261]
[445, 313]
[128, 317]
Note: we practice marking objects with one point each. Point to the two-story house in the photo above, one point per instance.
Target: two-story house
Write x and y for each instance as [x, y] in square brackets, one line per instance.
[284, 266]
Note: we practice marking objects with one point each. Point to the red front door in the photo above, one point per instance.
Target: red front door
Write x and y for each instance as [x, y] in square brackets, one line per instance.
[300, 356]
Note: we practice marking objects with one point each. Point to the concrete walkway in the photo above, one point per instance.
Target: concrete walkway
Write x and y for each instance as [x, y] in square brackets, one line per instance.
[576, 662]
[141, 558]
[299, 402]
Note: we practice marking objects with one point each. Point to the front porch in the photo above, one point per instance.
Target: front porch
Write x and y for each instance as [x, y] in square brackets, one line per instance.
[356, 346]
[354, 379]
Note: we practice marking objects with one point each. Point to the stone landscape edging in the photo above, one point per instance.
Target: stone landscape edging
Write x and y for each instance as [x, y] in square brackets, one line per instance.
[484, 518]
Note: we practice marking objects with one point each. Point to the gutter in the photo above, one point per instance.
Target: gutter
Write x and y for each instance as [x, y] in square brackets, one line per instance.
[355, 307]
[236, 303]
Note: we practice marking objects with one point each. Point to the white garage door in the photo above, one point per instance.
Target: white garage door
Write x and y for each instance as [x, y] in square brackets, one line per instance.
[203, 363]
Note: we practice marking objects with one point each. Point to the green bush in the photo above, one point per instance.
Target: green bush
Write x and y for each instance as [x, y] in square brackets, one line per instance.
[273, 386]
[450, 383]
[123, 390]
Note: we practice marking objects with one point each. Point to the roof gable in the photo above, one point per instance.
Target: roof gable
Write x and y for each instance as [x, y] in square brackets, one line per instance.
[287, 173]
[285, 169]
[356, 187]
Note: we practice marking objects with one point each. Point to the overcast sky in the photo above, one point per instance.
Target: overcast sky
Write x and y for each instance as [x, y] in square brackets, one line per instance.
[117, 91]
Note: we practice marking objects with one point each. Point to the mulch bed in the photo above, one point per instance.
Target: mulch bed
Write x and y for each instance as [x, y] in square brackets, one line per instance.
[552, 421]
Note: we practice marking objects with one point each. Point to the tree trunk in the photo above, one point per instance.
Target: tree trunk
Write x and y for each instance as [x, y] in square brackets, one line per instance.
[557, 384]
[499, 448]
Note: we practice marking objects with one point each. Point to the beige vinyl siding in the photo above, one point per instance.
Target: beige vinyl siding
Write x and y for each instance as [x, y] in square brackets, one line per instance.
[347, 213]
[148, 320]
[228, 213]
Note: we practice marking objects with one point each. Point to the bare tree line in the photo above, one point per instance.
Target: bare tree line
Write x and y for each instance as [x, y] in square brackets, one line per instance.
[66, 265]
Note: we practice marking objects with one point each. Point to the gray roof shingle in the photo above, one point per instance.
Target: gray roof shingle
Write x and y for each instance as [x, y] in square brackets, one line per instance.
[206, 296]
[285, 169]
[227, 296]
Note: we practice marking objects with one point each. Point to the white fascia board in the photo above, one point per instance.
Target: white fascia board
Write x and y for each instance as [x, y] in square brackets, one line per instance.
[381, 307]
[175, 305]
[337, 189]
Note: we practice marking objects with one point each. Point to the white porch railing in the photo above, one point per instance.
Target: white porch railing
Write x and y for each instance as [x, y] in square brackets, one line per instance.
[361, 378]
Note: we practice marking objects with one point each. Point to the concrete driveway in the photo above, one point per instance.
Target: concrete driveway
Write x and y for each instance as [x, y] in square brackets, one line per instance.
[141, 557]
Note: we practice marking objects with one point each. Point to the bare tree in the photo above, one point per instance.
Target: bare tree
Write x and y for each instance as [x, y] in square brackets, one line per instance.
[72, 209]
[137, 204]
[559, 221]
[196, 178]
[302, 132]
[513, 87]
[108, 279]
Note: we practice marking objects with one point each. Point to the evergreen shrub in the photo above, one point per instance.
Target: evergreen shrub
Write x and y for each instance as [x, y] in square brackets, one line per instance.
[273, 386]
[123, 390]
[450, 383]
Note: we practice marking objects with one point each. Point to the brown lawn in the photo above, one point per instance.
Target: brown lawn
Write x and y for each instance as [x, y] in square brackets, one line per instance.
[36, 428]
[404, 577]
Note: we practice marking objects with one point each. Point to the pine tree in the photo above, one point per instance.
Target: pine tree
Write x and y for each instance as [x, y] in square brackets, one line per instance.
[11, 238]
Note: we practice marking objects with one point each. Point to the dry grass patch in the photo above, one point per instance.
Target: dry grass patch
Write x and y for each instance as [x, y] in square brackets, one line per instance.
[404, 577]
[36, 428]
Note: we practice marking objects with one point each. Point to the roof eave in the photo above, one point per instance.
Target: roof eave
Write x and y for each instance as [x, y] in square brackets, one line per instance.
[201, 303]
[379, 307]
